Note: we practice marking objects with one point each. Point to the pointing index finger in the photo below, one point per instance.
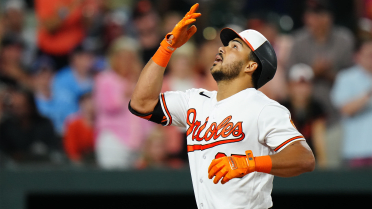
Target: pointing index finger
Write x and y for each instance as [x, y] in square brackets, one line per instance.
[194, 8]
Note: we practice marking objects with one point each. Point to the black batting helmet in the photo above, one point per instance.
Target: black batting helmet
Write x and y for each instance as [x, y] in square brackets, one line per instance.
[260, 46]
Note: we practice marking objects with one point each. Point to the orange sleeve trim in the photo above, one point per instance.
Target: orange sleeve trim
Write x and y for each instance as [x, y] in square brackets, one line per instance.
[164, 119]
[286, 142]
[166, 109]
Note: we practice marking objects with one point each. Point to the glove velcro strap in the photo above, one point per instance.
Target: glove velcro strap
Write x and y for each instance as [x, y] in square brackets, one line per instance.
[163, 55]
[250, 161]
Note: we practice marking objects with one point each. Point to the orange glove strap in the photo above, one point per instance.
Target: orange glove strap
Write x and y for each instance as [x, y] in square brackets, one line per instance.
[163, 55]
[263, 164]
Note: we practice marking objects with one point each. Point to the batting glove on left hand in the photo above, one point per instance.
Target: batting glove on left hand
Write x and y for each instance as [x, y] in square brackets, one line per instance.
[231, 167]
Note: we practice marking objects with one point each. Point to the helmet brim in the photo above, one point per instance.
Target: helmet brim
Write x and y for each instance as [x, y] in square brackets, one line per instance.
[228, 34]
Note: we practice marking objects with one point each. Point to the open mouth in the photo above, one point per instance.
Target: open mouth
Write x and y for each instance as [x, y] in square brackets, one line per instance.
[218, 58]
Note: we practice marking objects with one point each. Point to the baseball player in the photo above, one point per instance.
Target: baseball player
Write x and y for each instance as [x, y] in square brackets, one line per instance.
[237, 138]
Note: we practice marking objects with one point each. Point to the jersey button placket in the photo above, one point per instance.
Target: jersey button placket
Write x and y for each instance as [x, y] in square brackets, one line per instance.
[211, 117]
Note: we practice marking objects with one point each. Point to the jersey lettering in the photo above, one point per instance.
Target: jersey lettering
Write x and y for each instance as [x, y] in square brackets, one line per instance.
[225, 129]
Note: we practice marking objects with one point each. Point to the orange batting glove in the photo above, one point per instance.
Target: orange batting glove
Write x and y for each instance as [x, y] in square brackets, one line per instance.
[178, 37]
[237, 167]
[180, 32]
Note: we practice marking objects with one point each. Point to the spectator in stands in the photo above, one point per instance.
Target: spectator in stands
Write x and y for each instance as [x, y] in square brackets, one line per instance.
[25, 135]
[170, 19]
[11, 69]
[114, 26]
[119, 134]
[155, 153]
[352, 95]
[2, 27]
[70, 83]
[324, 47]
[61, 27]
[147, 23]
[307, 114]
[79, 136]
[42, 72]
[14, 16]
[3, 96]
[14, 19]
[182, 75]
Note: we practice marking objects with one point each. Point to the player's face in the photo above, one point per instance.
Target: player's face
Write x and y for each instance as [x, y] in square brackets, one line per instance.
[230, 60]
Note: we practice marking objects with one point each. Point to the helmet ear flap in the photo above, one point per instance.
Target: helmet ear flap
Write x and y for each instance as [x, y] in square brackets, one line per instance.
[257, 74]
[267, 57]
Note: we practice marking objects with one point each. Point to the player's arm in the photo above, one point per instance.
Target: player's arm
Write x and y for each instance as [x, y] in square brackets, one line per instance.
[146, 93]
[295, 159]
[292, 154]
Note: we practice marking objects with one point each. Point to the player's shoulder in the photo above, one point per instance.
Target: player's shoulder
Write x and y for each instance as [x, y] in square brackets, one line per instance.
[269, 105]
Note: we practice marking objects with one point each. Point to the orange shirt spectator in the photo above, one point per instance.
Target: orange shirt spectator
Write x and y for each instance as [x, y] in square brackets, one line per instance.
[79, 139]
[61, 25]
[79, 136]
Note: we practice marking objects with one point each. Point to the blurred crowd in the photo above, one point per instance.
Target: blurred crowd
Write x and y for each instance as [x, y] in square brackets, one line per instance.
[68, 69]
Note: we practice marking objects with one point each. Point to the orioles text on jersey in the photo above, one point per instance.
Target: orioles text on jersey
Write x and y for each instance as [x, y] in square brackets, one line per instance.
[222, 133]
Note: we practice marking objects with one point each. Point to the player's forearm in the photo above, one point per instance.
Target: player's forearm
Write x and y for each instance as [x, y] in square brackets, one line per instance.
[294, 160]
[148, 87]
[146, 93]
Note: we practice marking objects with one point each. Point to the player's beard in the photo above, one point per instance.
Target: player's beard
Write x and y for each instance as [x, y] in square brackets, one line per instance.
[227, 72]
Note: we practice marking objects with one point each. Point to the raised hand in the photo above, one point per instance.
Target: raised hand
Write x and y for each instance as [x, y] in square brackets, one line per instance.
[180, 33]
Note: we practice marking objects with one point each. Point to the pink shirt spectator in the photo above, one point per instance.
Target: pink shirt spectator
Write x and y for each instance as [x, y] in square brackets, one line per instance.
[111, 98]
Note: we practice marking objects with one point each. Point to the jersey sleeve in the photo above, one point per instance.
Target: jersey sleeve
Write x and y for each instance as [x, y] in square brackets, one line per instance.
[276, 129]
[170, 110]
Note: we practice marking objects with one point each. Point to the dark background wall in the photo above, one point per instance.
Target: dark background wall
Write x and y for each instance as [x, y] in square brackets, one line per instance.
[95, 189]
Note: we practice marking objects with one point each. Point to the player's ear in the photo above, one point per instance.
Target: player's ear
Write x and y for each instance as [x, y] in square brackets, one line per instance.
[250, 67]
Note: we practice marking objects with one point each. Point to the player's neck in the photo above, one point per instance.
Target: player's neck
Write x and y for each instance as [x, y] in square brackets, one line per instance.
[228, 88]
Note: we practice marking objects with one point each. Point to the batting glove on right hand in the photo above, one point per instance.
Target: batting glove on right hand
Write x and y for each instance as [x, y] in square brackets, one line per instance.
[180, 34]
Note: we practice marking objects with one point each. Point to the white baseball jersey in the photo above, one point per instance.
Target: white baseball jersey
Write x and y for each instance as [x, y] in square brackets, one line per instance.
[247, 120]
